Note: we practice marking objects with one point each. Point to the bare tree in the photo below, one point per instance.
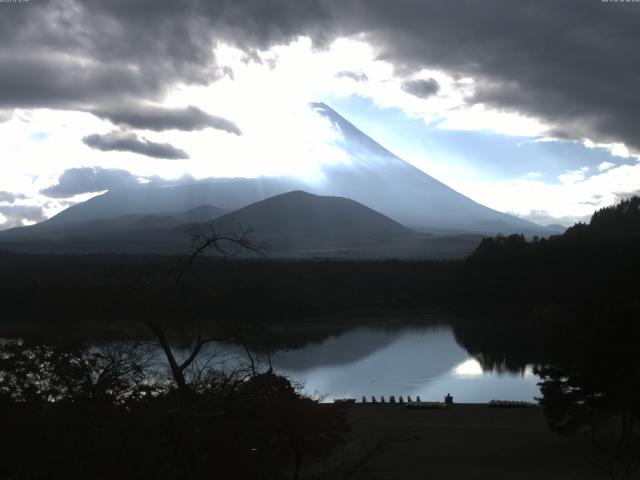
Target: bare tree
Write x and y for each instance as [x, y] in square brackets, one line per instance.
[206, 240]
[183, 429]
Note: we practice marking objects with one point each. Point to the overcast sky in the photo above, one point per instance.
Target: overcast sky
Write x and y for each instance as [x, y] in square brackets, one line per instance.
[529, 107]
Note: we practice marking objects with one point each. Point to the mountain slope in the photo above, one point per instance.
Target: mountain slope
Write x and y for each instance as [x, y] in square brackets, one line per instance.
[202, 213]
[385, 182]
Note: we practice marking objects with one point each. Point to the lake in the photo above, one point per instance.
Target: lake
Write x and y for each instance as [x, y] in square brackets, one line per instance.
[382, 360]
[424, 361]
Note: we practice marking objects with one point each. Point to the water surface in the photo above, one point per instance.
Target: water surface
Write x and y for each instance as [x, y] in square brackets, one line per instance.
[423, 361]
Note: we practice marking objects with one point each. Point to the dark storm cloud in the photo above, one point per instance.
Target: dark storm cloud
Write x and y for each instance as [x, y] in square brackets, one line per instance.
[626, 195]
[156, 118]
[17, 215]
[46, 81]
[93, 53]
[87, 180]
[130, 142]
[9, 197]
[422, 88]
[572, 63]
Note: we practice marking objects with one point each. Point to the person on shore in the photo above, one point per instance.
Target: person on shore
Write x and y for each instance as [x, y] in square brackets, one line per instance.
[448, 399]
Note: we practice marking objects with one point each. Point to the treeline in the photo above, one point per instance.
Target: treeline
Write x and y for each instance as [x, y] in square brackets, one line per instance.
[582, 290]
[561, 275]
[588, 264]
[524, 302]
[102, 290]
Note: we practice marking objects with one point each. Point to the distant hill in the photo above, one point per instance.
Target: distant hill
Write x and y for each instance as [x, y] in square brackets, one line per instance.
[302, 224]
[302, 213]
[555, 229]
[102, 230]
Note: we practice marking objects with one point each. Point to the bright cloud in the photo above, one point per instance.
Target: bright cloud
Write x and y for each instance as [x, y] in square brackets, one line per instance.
[573, 176]
[468, 368]
[575, 199]
[533, 175]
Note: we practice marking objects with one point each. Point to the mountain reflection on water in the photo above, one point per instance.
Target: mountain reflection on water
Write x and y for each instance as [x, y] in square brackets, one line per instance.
[425, 361]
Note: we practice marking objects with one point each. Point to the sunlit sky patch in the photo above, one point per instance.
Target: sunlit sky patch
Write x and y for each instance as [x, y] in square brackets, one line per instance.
[468, 368]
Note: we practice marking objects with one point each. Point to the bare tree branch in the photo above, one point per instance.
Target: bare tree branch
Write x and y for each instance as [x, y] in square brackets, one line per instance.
[206, 239]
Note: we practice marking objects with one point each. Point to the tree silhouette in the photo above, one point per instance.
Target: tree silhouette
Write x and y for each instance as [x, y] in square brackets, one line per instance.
[207, 239]
[592, 386]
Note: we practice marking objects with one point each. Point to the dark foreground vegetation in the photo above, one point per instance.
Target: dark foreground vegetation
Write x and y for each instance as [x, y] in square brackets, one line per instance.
[567, 304]
[75, 413]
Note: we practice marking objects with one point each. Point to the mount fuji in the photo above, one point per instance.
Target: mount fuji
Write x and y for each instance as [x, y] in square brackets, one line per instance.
[373, 177]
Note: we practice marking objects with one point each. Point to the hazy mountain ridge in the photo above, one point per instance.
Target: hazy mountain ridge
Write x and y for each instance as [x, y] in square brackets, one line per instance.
[123, 223]
[294, 224]
[225, 193]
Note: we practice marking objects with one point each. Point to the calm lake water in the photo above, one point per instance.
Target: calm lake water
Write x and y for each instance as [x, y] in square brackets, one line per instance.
[423, 361]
